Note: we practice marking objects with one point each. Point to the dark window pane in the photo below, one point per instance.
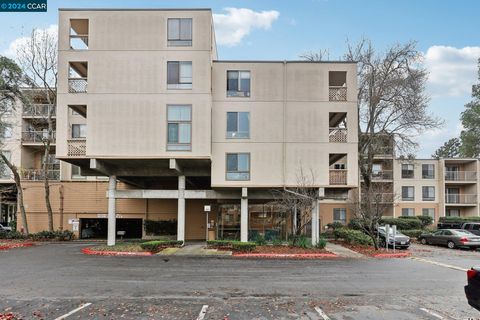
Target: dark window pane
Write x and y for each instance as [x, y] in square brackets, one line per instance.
[232, 122]
[173, 133]
[173, 72]
[185, 29]
[232, 162]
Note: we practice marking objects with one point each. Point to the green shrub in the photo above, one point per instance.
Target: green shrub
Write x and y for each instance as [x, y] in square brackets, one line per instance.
[160, 228]
[335, 225]
[426, 221]
[157, 245]
[321, 243]
[403, 223]
[458, 219]
[58, 235]
[13, 224]
[243, 246]
[415, 233]
[260, 240]
[11, 235]
[277, 242]
[353, 236]
[356, 224]
[219, 243]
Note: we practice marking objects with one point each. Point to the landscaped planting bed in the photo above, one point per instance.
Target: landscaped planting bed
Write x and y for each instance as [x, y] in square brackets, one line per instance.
[370, 250]
[133, 248]
[5, 245]
[287, 250]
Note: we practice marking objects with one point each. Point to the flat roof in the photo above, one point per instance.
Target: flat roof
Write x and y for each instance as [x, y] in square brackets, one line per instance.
[134, 9]
[282, 61]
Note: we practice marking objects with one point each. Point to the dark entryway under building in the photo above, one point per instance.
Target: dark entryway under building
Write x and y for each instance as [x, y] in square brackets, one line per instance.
[97, 228]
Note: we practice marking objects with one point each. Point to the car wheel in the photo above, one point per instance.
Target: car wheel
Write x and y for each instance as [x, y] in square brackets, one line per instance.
[451, 244]
[424, 241]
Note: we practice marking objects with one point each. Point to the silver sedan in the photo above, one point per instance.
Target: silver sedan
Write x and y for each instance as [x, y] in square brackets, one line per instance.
[452, 238]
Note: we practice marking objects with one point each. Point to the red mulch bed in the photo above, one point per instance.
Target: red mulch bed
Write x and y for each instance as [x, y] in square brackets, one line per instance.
[91, 251]
[371, 252]
[11, 245]
[287, 250]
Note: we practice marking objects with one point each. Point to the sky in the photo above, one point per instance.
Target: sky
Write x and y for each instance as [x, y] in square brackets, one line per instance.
[446, 32]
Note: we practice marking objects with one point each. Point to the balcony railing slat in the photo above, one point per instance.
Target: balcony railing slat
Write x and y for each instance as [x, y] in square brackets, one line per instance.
[77, 147]
[77, 85]
[337, 135]
[338, 176]
[37, 136]
[39, 110]
[38, 174]
[337, 93]
[460, 176]
[461, 198]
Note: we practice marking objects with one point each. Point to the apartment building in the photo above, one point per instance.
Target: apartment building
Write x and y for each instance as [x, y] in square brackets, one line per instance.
[144, 99]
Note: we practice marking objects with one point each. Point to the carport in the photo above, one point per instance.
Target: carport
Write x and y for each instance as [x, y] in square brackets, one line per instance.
[97, 228]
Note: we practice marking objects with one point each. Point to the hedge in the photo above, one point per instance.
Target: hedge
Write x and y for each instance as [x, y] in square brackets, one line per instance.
[403, 223]
[353, 236]
[458, 219]
[58, 235]
[234, 245]
[414, 233]
[157, 245]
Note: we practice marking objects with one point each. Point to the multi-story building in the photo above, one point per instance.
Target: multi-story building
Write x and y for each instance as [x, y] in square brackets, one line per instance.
[143, 99]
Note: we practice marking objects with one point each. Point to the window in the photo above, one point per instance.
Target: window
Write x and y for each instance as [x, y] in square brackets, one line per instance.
[408, 212]
[238, 124]
[7, 131]
[428, 171]
[238, 166]
[340, 215]
[79, 34]
[179, 75]
[428, 193]
[79, 131]
[238, 83]
[408, 193]
[376, 168]
[453, 213]
[179, 128]
[179, 32]
[76, 172]
[407, 170]
[428, 212]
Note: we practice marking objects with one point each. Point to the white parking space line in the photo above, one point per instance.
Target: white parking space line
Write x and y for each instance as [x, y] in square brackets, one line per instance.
[440, 264]
[321, 313]
[203, 312]
[83, 306]
[433, 314]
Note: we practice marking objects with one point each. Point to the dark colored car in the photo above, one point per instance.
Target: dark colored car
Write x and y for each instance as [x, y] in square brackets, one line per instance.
[452, 238]
[472, 289]
[401, 241]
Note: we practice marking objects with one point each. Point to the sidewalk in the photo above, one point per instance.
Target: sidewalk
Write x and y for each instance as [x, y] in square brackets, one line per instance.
[342, 251]
[193, 250]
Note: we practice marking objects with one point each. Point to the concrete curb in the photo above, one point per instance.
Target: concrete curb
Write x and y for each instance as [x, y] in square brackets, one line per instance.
[16, 245]
[89, 251]
[391, 255]
[297, 256]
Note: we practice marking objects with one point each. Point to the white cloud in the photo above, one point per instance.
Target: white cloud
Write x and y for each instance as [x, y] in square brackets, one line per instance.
[452, 70]
[11, 52]
[231, 27]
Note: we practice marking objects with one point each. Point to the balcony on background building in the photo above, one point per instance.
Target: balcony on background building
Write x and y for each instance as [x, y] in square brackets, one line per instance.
[461, 176]
[39, 174]
[39, 110]
[461, 198]
[382, 175]
[37, 137]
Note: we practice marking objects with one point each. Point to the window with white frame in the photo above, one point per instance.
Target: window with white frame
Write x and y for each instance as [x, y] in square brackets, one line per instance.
[179, 32]
[407, 170]
[238, 166]
[179, 75]
[79, 131]
[238, 83]
[428, 171]
[340, 215]
[408, 193]
[428, 212]
[179, 128]
[428, 193]
[238, 125]
[408, 212]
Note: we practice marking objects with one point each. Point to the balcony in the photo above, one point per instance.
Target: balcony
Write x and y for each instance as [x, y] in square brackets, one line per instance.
[461, 176]
[79, 34]
[461, 199]
[77, 147]
[39, 110]
[77, 85]
[382, 175]
[337, 135]
[38, 174]
[337, 93]
[37, 137]
[338, 176]
[337, 82]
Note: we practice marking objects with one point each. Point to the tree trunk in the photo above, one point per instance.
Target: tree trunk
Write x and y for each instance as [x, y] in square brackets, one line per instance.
[18, 184]
[46, 162]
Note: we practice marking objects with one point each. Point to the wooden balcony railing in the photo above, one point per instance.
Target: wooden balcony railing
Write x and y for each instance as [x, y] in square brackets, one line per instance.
[338, 176]
[39, 110]
[337, 93]
[337, 135]
[77, 85]
[461, 198]
[77, 147]
[460, 176]
[37, 136]
[38, 174]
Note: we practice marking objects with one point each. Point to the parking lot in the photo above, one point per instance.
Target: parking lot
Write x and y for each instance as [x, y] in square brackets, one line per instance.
[53, 280]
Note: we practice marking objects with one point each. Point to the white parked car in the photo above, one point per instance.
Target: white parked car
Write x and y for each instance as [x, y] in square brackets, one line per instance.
[4, 228]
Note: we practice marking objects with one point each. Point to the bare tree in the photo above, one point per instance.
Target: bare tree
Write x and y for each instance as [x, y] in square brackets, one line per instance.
[299, 200]
[11, 80]
[38, 58]
[320, 55]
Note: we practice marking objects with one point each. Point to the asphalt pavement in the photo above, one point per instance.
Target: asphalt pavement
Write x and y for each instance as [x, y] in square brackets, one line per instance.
[53, 280]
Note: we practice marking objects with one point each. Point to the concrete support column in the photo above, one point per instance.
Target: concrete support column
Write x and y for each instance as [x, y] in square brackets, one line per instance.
[181, 209]
[315, 223]
[244, 216]
[112, 216]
